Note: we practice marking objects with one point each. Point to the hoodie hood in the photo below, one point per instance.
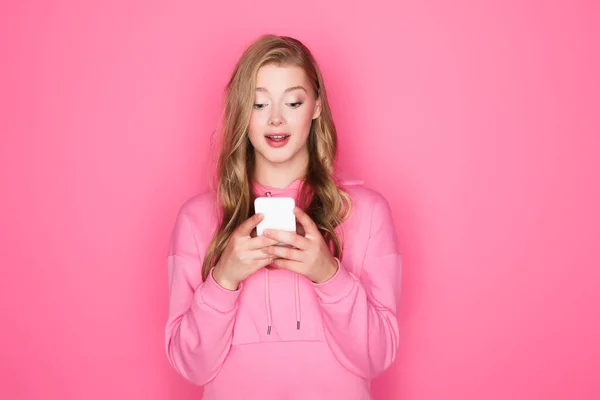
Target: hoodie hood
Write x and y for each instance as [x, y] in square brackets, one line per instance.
[294, 187]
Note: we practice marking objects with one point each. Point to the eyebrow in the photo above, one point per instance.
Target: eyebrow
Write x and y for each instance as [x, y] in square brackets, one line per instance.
[262, 89]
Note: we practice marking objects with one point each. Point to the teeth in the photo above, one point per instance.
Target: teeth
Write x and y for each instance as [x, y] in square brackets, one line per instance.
[278, 136]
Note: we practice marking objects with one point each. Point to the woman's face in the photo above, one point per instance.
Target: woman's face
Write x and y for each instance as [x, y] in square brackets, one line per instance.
[284, 107]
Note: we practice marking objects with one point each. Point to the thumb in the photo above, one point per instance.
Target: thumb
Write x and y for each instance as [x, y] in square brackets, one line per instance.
[245, 229]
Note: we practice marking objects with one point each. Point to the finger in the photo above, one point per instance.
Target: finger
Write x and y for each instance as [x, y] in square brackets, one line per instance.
[246, 227]
[284, 252]
[290, 265]
[267, 261]
[288, 237]
[300, 229]
[260, 242]
[263, 262]
[310, 228]
[256, 255]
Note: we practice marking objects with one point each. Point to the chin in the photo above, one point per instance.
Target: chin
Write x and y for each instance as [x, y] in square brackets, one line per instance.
[278, 160]
[276, 157]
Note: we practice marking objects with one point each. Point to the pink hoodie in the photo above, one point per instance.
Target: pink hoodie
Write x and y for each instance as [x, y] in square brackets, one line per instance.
[281, 336]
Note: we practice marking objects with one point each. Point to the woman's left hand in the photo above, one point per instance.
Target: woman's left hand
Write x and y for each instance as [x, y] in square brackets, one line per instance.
[309, 255]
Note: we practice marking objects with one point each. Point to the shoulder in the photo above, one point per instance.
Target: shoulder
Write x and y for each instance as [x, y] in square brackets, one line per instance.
[361, 194]
[369, 208]
[201, 210]
[200, 203]
[371, 216]
[364, 195]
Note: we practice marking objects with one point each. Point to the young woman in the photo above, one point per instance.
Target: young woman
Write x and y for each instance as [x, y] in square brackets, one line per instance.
[252, 320]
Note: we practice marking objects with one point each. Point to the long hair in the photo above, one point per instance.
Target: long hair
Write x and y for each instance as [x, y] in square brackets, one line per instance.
[320, 196]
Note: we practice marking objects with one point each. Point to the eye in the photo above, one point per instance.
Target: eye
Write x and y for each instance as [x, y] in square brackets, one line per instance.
[295, 104]
[259, 106]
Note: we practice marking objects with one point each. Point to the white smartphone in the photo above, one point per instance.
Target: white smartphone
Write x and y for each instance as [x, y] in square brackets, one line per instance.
[278, 214]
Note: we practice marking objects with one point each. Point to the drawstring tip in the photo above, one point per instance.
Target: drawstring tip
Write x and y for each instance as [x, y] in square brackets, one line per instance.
[269, 330]
[298, 325]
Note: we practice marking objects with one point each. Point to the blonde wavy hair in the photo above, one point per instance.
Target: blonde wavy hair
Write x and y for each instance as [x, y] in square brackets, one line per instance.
[321, 196]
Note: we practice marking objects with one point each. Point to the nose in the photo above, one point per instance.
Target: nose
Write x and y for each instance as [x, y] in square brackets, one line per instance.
[275, 119]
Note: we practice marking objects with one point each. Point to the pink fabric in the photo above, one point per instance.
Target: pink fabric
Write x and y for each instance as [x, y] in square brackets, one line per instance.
[348, 332]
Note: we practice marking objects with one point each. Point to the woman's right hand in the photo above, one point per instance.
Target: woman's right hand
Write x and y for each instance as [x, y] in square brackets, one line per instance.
[243, 255]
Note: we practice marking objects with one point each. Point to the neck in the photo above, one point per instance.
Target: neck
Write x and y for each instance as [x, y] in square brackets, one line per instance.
[280, 175]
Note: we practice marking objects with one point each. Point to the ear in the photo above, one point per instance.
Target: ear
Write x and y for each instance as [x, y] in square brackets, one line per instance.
[318, 106]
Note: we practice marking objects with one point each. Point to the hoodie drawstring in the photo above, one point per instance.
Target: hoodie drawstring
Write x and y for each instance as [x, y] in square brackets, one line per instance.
[268, 301]
[297, 296]
[268, 296]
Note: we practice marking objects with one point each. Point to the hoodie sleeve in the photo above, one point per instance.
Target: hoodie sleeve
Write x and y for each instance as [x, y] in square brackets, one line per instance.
[359, 312]
[199, 327]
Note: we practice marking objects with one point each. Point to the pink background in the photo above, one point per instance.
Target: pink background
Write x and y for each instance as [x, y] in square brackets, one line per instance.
[479, 123]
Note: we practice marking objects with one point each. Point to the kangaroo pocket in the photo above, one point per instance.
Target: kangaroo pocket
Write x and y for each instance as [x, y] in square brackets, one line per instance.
[307, 370]
[274, 296]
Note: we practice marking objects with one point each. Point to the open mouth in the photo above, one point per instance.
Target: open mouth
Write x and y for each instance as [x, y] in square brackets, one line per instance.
[278, 140]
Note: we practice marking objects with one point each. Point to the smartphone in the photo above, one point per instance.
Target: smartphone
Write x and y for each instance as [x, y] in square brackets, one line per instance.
[278, 214]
